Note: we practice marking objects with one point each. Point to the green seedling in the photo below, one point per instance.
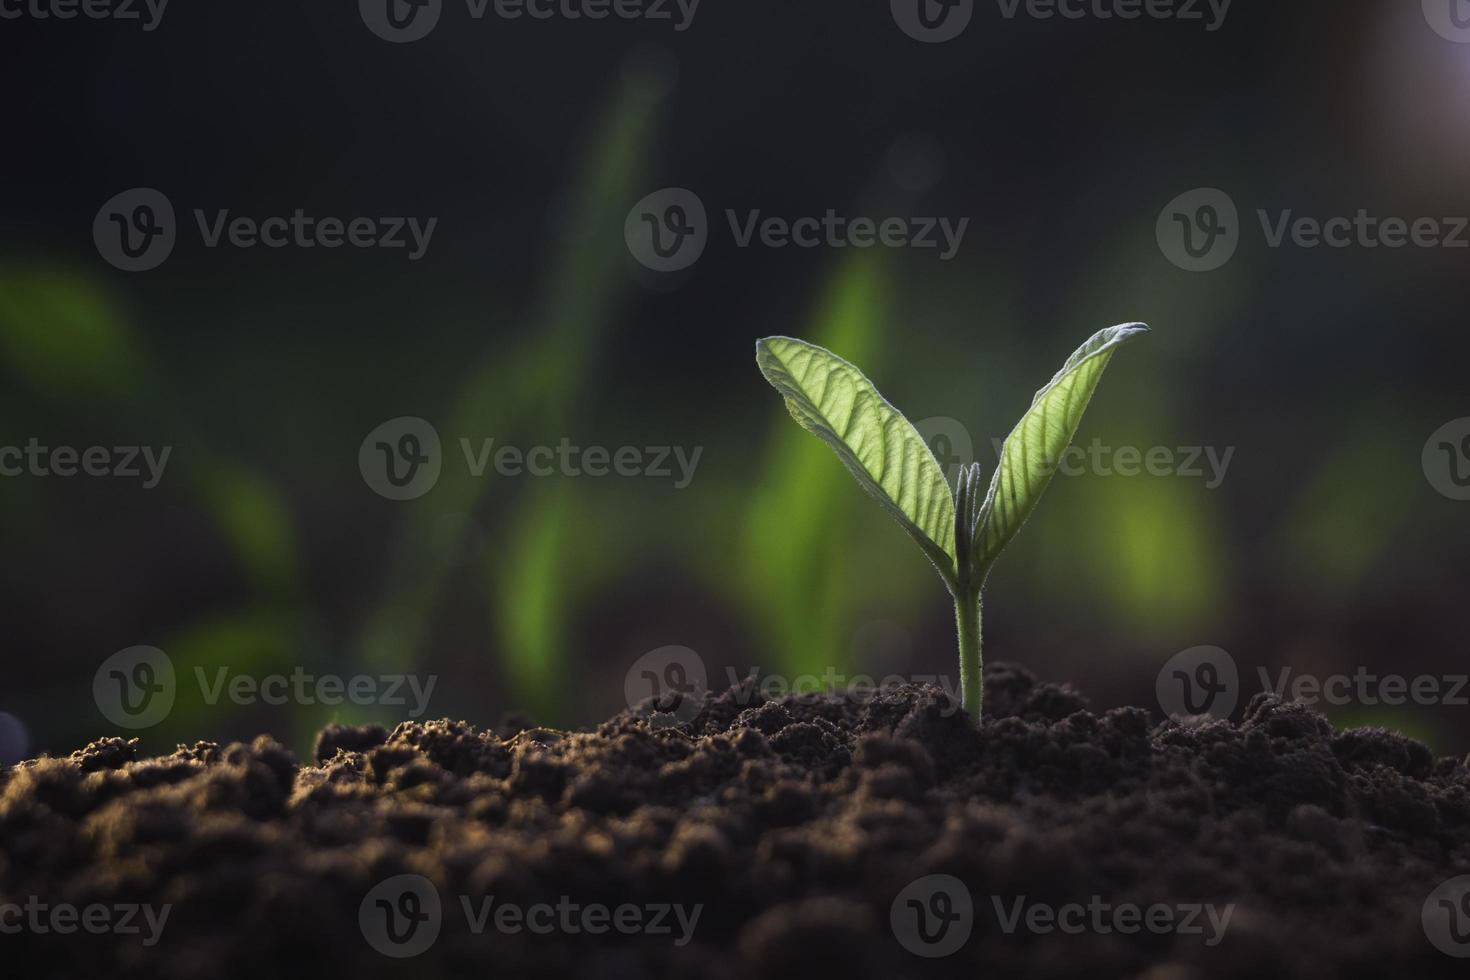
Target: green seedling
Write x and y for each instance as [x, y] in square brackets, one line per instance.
[961, 532]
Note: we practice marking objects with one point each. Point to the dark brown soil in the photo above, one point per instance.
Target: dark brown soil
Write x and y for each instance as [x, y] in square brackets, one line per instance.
[794, 823]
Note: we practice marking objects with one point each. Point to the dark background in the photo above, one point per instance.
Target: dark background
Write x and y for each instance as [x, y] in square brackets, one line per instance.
[1325, 549]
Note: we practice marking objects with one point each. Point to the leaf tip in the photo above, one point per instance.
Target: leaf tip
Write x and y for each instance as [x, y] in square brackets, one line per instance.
[767, 346]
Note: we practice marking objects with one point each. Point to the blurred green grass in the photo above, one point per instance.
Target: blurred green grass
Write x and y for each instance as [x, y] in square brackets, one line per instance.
[784, 543]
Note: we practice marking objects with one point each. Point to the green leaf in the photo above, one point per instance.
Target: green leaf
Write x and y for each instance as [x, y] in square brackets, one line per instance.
[1032, 451]
[879, 447]
[63, 336]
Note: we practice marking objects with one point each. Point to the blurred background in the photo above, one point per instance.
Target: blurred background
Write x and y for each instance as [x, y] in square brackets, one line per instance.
[1325, 548]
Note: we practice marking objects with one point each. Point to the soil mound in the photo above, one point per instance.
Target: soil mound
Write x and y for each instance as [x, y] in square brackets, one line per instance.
[789, 838]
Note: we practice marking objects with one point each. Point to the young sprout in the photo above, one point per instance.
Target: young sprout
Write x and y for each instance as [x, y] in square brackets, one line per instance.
[960, 530]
